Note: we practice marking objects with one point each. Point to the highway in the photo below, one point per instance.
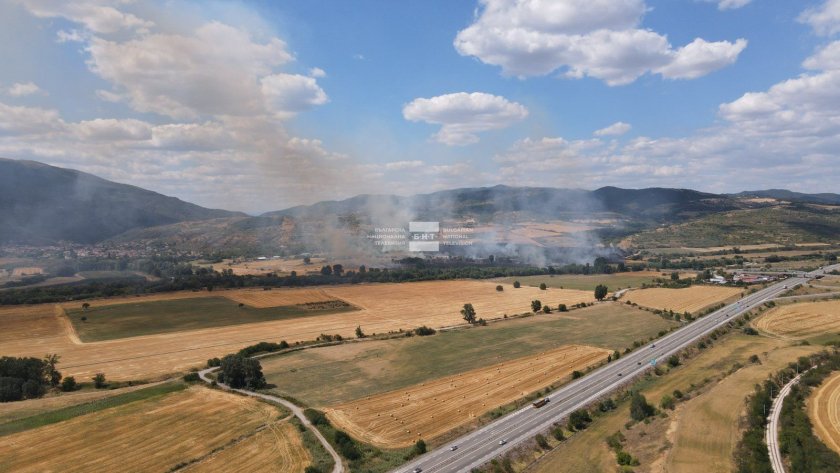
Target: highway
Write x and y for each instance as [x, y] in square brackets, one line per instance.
[483, 444]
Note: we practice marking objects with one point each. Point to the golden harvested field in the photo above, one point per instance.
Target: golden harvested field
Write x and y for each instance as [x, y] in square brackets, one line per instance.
[277, 448]
[36, 330]
[824, 411]
[690, 299]
[152, 435]
[27, 271]
[428, 410]
[278, 297]
[801, 320]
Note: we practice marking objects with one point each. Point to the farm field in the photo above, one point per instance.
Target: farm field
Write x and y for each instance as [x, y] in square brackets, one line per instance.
[588, 282]
[364, 369]
[824, 411]
[39, 329]
[702, 432]
[399, 418]
[153, 435]
[801, 320]
[691, 299]
[133, 319]
[277, 448]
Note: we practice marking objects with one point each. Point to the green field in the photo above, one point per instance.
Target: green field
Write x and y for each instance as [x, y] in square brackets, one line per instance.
[359, 369]
[584, 282]
[154, 317]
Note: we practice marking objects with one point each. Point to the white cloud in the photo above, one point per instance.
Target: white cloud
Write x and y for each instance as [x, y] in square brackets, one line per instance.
[616, 129]
[215, 71]
[580, 38]
[463, 115]
[699, 57]
[110, 129]
[730, 4]
[22, 89]
[317, 72]
[824, 19]
[401, 165]
[28, 120]
[97, 15]
[291, 93]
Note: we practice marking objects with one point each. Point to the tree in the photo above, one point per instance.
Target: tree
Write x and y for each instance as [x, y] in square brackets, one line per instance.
[667, 402]
[536, 305]
[546, 309]
[673, 361]
[359, 333]
[542, 442]
[31, 389]
[562, 308]
[326, 270]
[675, 276]
[99, 380]
[337, 269]
[52, 375]
[543, 287]
[579, 419]
[500, 288]
[639, 407]
[85, 306]
[307, 260]
[68, 384]
[362, 269]
[516, 285]
[601, 292]
[557, 433]
[240, 372]
[468, 312]
[10, 389]
[419, 447]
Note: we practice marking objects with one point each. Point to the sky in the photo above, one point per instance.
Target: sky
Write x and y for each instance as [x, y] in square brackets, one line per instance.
[261, 105]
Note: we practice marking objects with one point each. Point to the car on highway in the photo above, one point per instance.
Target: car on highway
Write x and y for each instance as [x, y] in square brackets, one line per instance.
[453, 448]
[653, 345]
[502, 442]
[417, 470]
[619, 374]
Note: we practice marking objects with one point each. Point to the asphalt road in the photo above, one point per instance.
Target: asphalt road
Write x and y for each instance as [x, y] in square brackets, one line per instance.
[484, 444]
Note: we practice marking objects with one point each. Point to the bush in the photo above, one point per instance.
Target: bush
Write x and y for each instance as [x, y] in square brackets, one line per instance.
[316, 417]
[667, 402]
[754, 359]
[562, 308]
[214, 362]
[191, 377]
[500, 288]
[576, 374]
[423, 331]
[68, 384]
[639, 407]
[579, 419]
[673, 361]
[546, 309]
[31, 389]
[346, 446]
[542, 442]
[750, 331]
[543, 286]
[99, 381]
[419, 447]
[557, 433]
[678, 394]
[263, 347]
[516, 285]
[536, 305]
[312, 469]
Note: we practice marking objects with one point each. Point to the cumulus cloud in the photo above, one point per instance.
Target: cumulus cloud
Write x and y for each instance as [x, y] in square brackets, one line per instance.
[580, 38]
[291, 93]
[616, 129]
[824, 19]
[400, 165]
[28, 120]
[462, 115]
[110, 129]
[214, 71]
[20, 89]
[317, 72]
[99, 16]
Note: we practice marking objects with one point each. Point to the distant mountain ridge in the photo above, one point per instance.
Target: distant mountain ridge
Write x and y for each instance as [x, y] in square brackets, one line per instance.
[782, 194]
[42, 204]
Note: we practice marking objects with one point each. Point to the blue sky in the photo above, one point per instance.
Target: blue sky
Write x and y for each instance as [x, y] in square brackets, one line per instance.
[256, 106]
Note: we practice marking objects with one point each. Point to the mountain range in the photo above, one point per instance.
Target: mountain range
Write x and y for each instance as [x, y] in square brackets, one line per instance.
[43, 204]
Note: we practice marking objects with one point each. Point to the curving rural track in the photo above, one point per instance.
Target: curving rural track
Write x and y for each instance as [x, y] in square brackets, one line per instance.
[297, 411]
[771, 434]
[520, 426]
